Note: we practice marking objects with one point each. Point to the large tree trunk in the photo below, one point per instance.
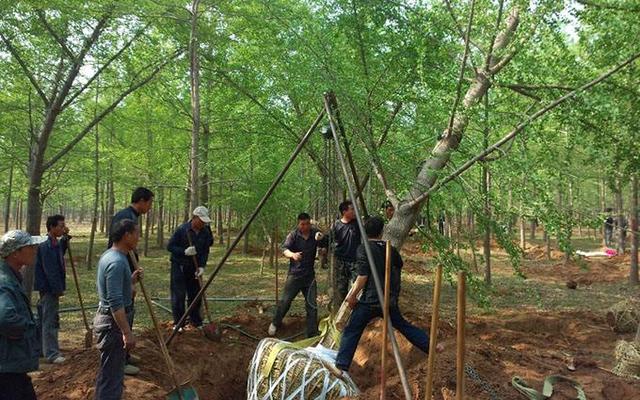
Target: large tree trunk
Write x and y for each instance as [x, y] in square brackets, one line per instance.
[7, 204]
[633, 275]
[94, 219]
[161, 217]
[194, 72]
[487, 200]
[205, 186]
[620, 218]
[408, 210]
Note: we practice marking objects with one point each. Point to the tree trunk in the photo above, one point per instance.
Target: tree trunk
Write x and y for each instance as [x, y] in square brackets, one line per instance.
[532, 231]
[603, 206]
[408, 210]
[148, 218]
[633, 276]
[487, 201]
[621, 220]
[7, 204]
[94, 219]
[194, 72]
[547, 244]
[205, 185]
[161, 216]
[228, 227]
[523, 233]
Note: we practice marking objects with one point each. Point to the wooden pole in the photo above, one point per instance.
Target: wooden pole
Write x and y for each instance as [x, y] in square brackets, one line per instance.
[385, 331]
[434, 332]
[460, 337]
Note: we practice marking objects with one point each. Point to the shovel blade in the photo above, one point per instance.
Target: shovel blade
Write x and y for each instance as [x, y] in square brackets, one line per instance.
[187, 393]
[212, 332]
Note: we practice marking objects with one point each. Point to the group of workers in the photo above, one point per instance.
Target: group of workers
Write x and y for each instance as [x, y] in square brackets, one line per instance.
[24, 339]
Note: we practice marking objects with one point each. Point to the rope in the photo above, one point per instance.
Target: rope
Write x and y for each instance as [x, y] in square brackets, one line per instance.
[547, 387]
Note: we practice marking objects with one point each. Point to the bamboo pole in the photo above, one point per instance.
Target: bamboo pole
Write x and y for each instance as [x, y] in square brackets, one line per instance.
[434, 332]
[460, 336]
[385, 331]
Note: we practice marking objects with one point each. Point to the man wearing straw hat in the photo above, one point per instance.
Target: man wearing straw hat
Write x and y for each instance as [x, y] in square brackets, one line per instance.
[18, 339]
[115, 283]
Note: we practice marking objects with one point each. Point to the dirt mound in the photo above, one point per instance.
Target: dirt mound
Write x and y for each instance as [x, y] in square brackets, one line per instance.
[537, 252]
[584, 272]
[218, 370]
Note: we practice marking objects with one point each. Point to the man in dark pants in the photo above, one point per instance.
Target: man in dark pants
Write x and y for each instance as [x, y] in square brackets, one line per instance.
[50, 282]
[346, 236]
[369, 306]
[141, 203]
[608, 228]
[300, 248]
[18, 339]
[191, 240]
[111, 325]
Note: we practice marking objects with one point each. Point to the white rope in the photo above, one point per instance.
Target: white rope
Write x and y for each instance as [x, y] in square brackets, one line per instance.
[315, 381]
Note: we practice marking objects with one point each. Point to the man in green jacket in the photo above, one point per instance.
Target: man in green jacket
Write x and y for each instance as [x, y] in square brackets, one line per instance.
[18, 339]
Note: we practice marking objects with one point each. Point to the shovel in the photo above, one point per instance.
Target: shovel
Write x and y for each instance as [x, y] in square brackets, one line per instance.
[211, 330]
[179, 392]
[88, 335]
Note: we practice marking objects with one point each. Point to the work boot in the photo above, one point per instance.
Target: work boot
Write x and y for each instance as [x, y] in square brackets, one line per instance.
[58, 360]
[134, 360]
[131, 370]
[272, 330]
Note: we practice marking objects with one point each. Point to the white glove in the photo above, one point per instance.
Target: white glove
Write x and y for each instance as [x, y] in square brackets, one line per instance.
[319, 236]
[200, 271]
[190, 251]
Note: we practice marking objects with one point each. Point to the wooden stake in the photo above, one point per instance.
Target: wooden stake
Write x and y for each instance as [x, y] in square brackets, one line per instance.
[385, 332]
[460, 339]
[434, 333]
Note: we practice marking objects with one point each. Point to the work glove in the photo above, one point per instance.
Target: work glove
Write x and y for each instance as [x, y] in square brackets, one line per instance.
[319, 236]
[200, 271]
[190, 251]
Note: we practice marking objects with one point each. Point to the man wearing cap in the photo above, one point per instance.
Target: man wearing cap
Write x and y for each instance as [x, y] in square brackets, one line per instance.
[189, 248]
[18, 339]
[141, 203]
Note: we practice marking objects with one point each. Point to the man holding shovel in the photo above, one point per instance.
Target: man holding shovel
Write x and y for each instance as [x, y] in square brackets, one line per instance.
[141, 203]
[189, 248]
[115, 283]
[50, 278]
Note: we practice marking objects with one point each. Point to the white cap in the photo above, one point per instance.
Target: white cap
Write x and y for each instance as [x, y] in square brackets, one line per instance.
[202, 213]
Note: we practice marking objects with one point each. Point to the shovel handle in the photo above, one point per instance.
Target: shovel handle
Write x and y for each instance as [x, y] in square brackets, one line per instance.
[199, 277]
[156, 325]
[77, 282]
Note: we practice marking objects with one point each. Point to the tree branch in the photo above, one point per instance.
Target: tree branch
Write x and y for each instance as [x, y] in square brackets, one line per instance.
[109, 109]
[519, 129]
[55, 36]
[14, 52]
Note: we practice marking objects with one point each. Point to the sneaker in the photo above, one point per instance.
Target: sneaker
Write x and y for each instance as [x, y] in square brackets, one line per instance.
[134, 360]
[180, 330]
[58, 360]
[131, 370]
[272, 330]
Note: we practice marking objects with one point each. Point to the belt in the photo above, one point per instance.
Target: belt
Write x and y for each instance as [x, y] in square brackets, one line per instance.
[107, 310]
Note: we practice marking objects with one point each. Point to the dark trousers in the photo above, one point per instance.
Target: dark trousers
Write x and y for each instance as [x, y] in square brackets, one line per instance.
[110, 379]
[309, 288]
[16, 386]
[49, 320]
[360, 318]
[608, 237]
[345, 273]
[184, 285]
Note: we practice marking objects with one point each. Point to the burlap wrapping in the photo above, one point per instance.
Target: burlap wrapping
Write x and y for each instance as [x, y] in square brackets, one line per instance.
[623, 317]
[627, 360]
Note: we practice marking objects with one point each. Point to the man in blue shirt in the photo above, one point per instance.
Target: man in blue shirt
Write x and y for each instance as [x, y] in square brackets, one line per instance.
[300, 248]
[189, 243]
[111, 324]
[18, 339]
[50, 281]
[141, 202]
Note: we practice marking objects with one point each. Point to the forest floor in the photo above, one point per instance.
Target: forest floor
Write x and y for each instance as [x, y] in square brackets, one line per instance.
[534, 326]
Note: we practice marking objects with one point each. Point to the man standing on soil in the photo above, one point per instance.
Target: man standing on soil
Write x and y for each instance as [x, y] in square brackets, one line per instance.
[50, 281]
[141, 202]
[300, 248]
[608, 228]
[346, 236]
[369, 306]
[189, 248]
[111, 324]
[18, 339]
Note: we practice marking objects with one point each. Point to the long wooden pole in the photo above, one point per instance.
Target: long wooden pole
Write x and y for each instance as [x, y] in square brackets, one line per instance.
[88, 334]
[385, 331]
[431, 361]
[460, 337]
[163, 347]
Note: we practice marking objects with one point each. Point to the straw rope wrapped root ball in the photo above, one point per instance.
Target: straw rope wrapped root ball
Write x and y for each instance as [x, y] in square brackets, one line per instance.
[623, 317]
[627, 360]
[282, 370]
